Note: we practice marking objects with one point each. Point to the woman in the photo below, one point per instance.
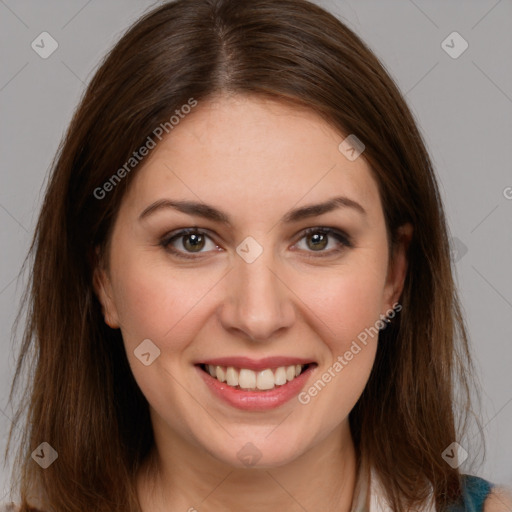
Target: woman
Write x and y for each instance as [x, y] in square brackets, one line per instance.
[241, 293]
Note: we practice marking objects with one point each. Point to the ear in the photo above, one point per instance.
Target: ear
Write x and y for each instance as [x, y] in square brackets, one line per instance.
[397, 269]
[103, 289]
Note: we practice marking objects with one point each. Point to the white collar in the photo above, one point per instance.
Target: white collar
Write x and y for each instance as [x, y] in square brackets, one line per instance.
[369, 495]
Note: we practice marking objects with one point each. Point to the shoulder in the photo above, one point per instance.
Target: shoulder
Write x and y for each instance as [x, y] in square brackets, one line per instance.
[499, 500]
[480, 495]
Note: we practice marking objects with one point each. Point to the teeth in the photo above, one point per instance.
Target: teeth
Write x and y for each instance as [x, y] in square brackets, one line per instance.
[265, 379]
[248, 379]
[221, 374]
[280, 376]
[232, 377]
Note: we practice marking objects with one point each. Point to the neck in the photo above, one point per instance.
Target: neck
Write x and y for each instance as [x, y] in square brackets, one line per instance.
[180, 476]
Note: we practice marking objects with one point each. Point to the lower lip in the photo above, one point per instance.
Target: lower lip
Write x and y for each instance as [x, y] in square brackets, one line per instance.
[256, 400]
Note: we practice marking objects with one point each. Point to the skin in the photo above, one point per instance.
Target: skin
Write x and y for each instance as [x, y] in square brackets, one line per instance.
[254, 159]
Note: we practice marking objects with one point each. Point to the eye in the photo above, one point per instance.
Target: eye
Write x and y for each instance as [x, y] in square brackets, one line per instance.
[189, 241]
[317, 239]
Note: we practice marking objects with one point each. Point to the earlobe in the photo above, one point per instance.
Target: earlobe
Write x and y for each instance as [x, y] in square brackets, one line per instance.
[398, 265]
[103, 290]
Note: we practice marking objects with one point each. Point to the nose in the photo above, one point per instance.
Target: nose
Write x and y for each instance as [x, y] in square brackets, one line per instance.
[258, 304]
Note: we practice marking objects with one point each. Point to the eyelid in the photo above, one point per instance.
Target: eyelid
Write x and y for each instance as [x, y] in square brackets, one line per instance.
[340, 235]
[166, 241]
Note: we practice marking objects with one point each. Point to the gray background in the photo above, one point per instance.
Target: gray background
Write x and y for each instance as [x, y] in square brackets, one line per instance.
[463, 106]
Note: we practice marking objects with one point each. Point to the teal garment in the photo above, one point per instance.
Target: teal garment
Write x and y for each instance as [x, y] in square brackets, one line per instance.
[475, 491]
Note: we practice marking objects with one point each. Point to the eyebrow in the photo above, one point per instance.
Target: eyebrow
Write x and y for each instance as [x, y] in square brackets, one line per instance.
[209, 212]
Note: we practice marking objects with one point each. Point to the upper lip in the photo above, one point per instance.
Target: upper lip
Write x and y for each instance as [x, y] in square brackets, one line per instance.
[256, 364]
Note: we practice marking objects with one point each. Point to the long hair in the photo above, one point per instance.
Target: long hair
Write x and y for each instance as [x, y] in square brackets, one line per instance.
[81, 396]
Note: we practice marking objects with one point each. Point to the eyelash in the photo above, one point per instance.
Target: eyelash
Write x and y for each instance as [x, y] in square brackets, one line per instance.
[343, 239]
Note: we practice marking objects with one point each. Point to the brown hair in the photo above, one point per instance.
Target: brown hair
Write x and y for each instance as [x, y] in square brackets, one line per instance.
[81, 393]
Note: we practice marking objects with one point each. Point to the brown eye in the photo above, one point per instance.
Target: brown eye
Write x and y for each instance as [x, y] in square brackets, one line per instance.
[190, 242]
[193, 242]
[317, 239]
[187, 242]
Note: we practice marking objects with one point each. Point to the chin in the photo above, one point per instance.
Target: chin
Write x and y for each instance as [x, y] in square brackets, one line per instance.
[258, 452]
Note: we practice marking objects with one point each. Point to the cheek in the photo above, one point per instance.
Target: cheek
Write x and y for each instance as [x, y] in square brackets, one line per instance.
[346, 301]
[347, 306]
[158, 304]
[163, 303]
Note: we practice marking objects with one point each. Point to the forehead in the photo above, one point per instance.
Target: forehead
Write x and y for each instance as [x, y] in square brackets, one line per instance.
[253, 153]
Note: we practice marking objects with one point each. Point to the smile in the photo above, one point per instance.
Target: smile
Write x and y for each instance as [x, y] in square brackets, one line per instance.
[250, 380]
[255, 385]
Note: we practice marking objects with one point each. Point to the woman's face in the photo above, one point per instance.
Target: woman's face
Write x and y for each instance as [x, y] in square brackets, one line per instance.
[251, 293]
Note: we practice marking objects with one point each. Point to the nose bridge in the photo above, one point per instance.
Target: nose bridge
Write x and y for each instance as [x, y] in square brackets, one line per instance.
[259, 302]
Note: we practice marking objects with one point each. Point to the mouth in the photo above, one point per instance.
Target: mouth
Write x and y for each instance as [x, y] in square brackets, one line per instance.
[263, 380]
[252, 385]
